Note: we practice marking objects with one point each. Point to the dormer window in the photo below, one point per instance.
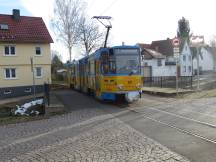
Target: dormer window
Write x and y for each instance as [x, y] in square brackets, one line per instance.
[9, 50]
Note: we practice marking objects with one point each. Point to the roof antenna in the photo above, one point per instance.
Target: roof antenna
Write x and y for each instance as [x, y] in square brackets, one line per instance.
[109, 26]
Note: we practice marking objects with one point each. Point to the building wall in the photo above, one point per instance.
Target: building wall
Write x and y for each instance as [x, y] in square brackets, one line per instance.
[21, 62]
[23, 54]
[162, 70]
[186, 61]
[206, 62]
[24, 76]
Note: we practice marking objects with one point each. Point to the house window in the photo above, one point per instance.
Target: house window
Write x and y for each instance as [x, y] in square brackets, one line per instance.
[184, 58]
[189, 57]
[189, 68]
[38, 72]
[10, 73]
[9, 51]
[159, 62]
[38, 50]
[185, 70]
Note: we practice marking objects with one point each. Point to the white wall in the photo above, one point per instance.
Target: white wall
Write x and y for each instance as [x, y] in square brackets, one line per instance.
[186, 61]
[161, 70]
[206, 62]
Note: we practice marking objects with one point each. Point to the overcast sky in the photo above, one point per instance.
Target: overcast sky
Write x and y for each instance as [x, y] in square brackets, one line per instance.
[133, 20]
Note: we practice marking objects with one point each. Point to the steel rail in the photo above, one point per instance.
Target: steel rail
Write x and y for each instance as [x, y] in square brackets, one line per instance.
[176, 128]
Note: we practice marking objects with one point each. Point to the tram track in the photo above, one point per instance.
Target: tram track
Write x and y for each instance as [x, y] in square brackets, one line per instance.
[179, 128]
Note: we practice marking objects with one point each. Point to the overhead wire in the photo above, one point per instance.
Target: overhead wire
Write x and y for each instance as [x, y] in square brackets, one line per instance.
[109, 7]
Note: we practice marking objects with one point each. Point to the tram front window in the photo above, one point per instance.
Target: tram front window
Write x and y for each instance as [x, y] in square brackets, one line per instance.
[127, 61]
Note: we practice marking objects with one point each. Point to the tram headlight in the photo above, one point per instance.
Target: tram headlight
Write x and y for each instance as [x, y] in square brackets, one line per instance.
[120, 86]
[138, 85]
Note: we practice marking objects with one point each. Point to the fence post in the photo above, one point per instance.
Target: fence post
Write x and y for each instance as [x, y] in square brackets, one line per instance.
[191, 82]
[47, 93]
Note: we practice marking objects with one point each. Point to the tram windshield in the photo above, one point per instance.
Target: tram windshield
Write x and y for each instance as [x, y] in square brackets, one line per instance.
[121, 61]
[127, 61]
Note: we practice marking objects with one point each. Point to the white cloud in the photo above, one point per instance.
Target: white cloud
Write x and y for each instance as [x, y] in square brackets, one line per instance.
[40, 8]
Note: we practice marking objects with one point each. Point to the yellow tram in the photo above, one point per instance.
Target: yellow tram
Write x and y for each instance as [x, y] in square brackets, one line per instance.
[109, 73]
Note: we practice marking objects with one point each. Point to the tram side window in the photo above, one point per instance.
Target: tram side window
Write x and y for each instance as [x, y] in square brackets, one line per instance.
[105, 62]
[105, 68]
[92, 68]
[112, 65]
[73, 70]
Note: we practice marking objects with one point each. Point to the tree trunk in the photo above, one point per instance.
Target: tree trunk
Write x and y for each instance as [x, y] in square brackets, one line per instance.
[70, 53]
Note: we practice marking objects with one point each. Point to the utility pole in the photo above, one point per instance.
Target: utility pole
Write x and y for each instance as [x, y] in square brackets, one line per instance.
[109, 26]
[198, 70]
[176, 52]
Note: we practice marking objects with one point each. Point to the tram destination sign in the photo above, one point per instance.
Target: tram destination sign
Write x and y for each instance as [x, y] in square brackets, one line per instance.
[126, 51]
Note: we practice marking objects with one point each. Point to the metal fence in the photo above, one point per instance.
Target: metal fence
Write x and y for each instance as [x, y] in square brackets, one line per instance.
[184, 82]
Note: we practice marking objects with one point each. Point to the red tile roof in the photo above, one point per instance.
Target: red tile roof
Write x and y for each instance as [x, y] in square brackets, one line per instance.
[144, 45]
[25, 30]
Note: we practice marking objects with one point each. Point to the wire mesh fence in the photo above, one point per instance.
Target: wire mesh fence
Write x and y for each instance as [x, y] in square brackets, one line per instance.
[184, 82]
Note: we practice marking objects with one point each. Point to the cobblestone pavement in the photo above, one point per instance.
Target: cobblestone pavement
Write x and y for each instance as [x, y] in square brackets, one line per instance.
[111, 140]
[87, 134]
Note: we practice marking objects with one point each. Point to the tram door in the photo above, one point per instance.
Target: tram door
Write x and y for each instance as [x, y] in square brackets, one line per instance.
[97, 77]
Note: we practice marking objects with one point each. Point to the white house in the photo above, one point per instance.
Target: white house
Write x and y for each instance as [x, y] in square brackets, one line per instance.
[186, 64]
[158, 57]
[207, 59]
[153, 64]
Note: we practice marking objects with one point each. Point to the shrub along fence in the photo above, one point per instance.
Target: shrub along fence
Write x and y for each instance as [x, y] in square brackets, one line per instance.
[184, 82]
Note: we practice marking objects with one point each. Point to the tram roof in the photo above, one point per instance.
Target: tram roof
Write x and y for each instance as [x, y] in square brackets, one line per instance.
[97, 53]
[125, 47]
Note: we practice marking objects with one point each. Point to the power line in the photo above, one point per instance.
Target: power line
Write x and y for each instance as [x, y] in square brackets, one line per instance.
[91, 4]
[108, 8]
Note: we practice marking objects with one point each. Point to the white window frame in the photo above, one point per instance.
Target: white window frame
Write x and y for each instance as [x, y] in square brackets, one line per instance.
[189, 68]
[189, 57]
[184, 58]
[159, 62]
[40, 51]
[36, 72]
[9, 46]
[10, 71]
[185, 69]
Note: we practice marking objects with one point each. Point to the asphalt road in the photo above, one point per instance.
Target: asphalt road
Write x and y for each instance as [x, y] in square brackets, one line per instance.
[152, 129]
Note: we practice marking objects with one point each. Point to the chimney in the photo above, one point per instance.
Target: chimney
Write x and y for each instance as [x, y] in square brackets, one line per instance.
[16, 14]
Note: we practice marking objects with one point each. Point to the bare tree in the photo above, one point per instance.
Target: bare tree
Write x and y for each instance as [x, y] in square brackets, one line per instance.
[90, 35]
[67, 14]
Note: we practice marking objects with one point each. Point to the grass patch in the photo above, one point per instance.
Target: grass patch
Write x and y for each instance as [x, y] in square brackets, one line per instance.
[201, 94]
[19, 119]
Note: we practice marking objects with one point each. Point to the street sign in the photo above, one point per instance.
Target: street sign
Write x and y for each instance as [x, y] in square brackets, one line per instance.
[176, 42]
[176, 55]
[175, 50]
